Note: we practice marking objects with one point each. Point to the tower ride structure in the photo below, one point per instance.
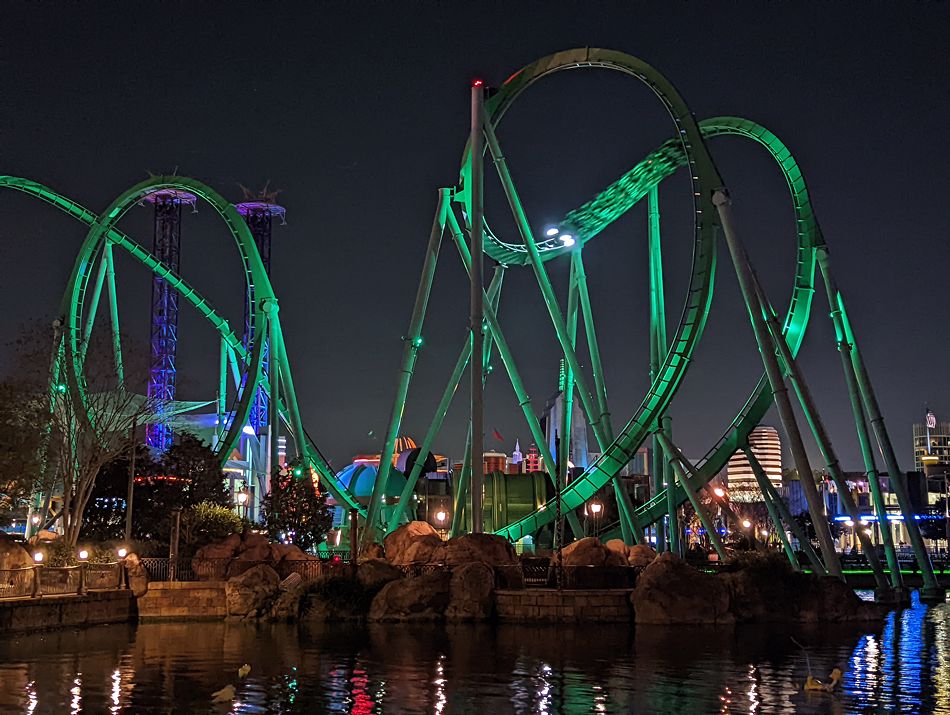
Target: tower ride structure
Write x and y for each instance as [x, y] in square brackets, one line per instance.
[163, 339]
[460, 219]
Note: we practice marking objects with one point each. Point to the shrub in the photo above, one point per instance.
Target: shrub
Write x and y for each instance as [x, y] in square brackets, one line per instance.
[207, 522]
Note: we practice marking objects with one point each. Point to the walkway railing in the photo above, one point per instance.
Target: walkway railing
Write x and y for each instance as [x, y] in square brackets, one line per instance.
[36, 581]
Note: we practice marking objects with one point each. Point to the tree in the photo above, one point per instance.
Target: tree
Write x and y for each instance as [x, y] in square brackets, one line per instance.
[187, 475]
[22, 416]
[294, 511]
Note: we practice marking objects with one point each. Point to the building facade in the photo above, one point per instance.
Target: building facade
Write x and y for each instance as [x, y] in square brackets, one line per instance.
[767, 447]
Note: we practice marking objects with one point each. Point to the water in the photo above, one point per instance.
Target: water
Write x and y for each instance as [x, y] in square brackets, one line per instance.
[901, 665]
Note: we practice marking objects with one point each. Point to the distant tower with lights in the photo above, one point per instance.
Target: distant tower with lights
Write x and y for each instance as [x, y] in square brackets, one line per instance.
[259, 211]
[166, 247]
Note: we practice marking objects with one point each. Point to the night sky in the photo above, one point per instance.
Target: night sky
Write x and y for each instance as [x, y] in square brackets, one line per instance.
[358, 112]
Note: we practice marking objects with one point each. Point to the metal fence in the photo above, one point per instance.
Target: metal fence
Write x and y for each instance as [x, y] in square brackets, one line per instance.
[36, 581]
[199, 569]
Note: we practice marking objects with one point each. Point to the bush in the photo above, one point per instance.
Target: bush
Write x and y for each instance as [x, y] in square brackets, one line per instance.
[207, 522]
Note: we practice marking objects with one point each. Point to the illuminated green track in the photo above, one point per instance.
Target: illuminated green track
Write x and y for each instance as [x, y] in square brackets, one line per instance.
[687, 150]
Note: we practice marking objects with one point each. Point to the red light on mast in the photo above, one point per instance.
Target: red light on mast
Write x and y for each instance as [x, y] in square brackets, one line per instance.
[478, 83]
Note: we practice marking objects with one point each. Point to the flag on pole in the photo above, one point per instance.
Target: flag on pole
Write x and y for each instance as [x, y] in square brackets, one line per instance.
[497, 435]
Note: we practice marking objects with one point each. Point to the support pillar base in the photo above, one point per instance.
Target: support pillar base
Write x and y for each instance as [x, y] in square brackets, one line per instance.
[891, 596]
[933, 594]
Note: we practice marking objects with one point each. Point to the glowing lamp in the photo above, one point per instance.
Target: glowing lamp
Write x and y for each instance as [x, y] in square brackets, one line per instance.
[35, 519]
[566, 239]
[595, 508]
[83, 554]
[242, 497]
[719, 492]
[38, 557]
[478, 83]
[552, 232]
[746, 523]
[122, 552]
[440, 516]
[249, 430]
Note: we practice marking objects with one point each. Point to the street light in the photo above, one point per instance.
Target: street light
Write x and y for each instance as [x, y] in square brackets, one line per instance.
[83, 555]
[122, 552]
[242, 502]
[441, 516]
[719, 492]
[746, 523]
[38, 557]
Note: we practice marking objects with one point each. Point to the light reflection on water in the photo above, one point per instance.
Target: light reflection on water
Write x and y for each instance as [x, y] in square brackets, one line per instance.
[900, 665]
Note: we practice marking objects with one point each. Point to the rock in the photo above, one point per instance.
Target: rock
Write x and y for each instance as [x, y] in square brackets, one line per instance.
[407, 538]
[12, 555]
[471, 593]
[483, 548]
[137, 575]
[225, 549]
[373, 551]
[423, 598]
[669, 591]
[424, 550]
[640, 555]
[590, 552]
[289, 599]
[509, 576]
[828, 599]
[255, 548]
[618, 547]
[373, 574]
[252, 591]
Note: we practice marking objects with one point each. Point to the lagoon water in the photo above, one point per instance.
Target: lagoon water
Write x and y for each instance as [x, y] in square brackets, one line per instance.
[901, 665]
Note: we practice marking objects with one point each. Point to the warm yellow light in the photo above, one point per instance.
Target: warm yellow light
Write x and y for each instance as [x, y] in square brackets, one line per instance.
[719, 492]
[440, 516]
[122, 552]
[595, 508]
[38, 557]
[746, 523]
[83, 554]
[850, 522]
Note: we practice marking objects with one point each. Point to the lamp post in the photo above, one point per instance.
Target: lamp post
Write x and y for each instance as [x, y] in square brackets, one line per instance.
[242, 504]
[440, 517]
[595, 509]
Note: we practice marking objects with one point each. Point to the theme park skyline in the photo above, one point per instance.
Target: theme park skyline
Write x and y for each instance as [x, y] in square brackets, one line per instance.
[359, 138]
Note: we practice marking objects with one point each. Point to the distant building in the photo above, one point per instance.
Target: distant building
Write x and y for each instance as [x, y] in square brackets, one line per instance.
[932, 445]
[767, 448]
[532, 460]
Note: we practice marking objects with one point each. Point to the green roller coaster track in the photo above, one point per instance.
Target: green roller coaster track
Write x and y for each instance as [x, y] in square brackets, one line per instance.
[779, 340]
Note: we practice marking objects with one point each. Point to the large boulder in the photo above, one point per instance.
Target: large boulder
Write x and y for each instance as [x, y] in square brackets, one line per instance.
[590, 552]
[12, 555]
[471, 593]
[252, 592]
[671, 592]
[254, 547]
[373, 574]
[640, 555]
[423, 598]
[290, 593]
[488, 549]
[414, 543]
[136, 574]
[372, 551]
[225, 549]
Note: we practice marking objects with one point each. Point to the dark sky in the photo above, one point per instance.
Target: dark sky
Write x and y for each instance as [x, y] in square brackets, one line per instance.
[358, 111]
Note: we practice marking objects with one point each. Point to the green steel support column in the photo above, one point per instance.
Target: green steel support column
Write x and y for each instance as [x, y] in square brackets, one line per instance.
[93, 306]
[677, 469]
[567, 388]
[460, 501]
[290, 394]
[628, 523]
[476, 308]
[507, 358]
[547, 291]
[114, 310]
[779, 391]
[412, 343]
[931, 589]
[494, 292]
[219, 428]
[761, 477]
[235, 368]
[277, 355]
[860, 421]
[673, 523]
[817, 426]
[658, 345]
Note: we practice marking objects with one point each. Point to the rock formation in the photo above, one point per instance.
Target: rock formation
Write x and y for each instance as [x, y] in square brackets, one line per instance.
[423, 598]
[251, 593]
[12, 555]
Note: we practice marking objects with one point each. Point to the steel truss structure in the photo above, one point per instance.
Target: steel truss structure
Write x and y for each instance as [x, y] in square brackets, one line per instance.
[458, 215]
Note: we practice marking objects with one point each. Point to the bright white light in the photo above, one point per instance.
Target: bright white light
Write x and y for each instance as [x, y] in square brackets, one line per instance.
[440, 516]
[719, 492]
[123, 552]
[567, 239]
[38, 557]
[242, 497]
[850, 522]
[868, 532]
[83, 555]
[765, 533]
[35, 519]
[746, 523]
[248, 430]
[552, 231]
[595, 508]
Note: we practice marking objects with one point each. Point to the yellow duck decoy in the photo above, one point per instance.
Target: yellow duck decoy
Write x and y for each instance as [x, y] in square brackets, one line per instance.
[244, 670]
[225, 695]
[834, 678]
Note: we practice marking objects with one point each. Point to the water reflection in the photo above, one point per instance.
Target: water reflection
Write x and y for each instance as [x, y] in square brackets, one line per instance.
[902, 664]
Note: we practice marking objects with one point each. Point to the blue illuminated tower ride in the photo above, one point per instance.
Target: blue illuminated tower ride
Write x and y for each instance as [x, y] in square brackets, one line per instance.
[259, 212]
[166, 247]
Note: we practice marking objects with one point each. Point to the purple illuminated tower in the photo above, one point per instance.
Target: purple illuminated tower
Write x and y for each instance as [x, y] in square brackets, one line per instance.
[259, 212]
[166, 247]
